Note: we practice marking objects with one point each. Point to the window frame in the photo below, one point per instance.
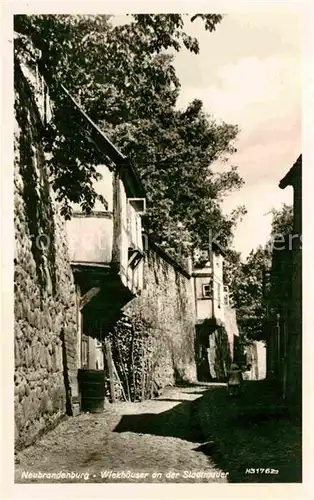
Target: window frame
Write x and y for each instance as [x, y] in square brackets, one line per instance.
[208, 295]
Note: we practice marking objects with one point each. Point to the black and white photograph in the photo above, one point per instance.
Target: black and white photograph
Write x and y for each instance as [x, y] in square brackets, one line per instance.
[157, 245]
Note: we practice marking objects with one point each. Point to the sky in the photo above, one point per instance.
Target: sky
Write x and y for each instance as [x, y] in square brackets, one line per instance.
[248, 73]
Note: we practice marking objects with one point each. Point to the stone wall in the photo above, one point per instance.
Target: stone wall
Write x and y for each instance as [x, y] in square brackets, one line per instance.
[45, 301]
[213, 351]
[231, 326]
[153, 341]
[256, 357]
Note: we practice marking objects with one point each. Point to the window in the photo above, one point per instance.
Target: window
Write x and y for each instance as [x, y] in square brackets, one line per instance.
[205, 255]
[207, 290]
[139, 205]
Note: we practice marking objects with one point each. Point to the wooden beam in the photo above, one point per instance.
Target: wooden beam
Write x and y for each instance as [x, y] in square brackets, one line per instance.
[87, 297]
[79, 324]
[110, 369]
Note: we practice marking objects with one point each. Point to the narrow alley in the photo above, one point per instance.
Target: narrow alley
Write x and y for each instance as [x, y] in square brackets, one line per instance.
[157, 328]
[188, 434]
[155, 436]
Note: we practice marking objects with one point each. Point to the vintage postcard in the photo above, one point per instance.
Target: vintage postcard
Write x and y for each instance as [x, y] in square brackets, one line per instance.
[157, 258]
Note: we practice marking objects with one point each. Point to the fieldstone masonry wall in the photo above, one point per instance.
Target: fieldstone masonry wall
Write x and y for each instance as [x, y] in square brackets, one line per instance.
[45, 301]
[214, 353]
[153, 342]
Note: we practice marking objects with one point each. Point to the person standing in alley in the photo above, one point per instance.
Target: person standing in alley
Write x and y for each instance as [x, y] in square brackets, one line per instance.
[235, 380]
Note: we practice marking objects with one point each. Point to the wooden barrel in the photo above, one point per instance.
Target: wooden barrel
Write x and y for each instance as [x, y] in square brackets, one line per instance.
[92, 388]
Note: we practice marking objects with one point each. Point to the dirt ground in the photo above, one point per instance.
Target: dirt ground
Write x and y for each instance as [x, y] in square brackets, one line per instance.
[257, 439]
[155, 439]
[191, 434]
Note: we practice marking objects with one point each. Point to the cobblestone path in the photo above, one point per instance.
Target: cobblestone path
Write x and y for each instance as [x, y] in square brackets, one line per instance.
[154, 441]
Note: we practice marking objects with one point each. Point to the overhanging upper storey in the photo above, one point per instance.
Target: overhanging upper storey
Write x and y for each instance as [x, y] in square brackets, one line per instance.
[111, 238]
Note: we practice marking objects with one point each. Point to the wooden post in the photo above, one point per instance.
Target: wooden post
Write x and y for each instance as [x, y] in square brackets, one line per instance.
[132, 366]
[119, 381]
[124, 372]
[110, 370]
[79, 322]
[87, 297]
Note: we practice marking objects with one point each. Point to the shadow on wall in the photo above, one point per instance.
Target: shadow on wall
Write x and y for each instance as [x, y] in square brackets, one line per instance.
[36, 194]
[212, 354]
[66, 379]
[201, 358]
[222, 358]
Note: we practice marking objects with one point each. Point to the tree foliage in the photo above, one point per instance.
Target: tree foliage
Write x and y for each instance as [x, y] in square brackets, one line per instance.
[248, 290]
[231, 268]
[124, 78]
[255, 284]
[282, 223]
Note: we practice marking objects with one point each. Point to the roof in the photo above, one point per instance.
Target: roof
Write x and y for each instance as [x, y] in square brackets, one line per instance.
[130, 177]
[294, 172]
